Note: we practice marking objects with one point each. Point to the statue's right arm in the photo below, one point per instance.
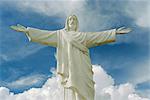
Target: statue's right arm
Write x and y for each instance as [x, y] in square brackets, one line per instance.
[37, 35]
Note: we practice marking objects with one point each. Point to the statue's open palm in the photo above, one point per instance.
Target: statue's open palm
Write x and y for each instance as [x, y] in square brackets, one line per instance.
[19, 28]
[123, 30]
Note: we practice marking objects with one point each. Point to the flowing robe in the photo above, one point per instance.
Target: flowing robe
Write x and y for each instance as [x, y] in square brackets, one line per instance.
[73, 60]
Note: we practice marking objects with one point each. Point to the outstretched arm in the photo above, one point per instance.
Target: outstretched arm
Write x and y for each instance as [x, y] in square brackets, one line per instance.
[36, 35]
[99, 38]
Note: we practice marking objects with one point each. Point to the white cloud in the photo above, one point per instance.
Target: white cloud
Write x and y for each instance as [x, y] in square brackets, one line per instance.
[3, 57]
[102, 78]
[144, 93]
[139, 11]
[53, 7]
[23, 52]
[105, 90]
[141, 73]
[26, 81]
[119, 92]
[136, 97]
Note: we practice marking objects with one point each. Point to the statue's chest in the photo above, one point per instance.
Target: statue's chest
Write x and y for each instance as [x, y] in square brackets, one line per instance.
[74, 36]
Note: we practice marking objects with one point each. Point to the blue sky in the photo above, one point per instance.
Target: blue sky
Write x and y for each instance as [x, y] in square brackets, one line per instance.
[126, 60]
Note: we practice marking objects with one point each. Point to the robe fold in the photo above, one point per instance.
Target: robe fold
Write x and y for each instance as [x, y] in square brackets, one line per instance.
[73, 60]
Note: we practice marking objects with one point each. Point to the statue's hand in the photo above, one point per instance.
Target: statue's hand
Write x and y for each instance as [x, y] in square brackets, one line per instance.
[19, 28]
[123, 30]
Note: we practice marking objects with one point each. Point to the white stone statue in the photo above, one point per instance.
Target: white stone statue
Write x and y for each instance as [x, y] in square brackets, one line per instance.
[73, 60]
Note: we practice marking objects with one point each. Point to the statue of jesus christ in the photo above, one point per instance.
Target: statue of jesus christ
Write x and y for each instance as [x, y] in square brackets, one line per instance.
[73, 60]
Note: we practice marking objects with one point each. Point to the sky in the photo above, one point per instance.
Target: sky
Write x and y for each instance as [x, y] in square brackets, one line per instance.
[27, 67]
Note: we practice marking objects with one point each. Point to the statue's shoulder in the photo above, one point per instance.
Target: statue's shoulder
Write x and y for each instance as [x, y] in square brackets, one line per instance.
[62, 30]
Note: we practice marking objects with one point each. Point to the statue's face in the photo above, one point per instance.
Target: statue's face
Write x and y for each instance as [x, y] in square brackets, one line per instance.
[72, 23]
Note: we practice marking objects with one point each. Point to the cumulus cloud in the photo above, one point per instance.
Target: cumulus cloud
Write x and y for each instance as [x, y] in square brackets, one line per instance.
[136, 97]
[105, 90]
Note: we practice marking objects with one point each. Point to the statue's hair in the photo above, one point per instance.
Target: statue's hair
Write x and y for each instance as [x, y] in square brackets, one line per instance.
[76, 20]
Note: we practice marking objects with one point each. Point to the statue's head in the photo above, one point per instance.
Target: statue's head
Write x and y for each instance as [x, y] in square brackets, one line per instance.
[72, 23]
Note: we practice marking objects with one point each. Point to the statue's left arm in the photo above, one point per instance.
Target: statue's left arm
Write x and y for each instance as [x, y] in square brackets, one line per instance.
[99, 38]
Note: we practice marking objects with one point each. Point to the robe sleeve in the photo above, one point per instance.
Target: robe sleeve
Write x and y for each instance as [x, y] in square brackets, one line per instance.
[98, 38]
[42, 36]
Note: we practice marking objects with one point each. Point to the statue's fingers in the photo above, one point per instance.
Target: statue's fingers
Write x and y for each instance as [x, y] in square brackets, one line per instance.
[13, 27]
[128, 30]
[21, 26]
[121, 28]
[16, 28]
